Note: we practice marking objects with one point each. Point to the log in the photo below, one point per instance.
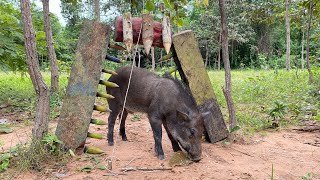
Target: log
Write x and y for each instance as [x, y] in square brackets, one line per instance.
[82, 87]
[147, 32]
[194, 74]
[127, 28]
[166, 33]
[136, 26]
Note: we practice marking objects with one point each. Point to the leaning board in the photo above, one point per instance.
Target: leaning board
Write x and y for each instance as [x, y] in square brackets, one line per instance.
[194, 73]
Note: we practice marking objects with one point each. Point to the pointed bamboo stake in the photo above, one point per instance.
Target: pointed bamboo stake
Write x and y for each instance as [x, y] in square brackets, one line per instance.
[97, 122]
[166, 57]
[147, 32]
[127, 31]
[166, 33]
[95, 135]
[104, 95]
[109, 71]
[108, 84]
[101, 108]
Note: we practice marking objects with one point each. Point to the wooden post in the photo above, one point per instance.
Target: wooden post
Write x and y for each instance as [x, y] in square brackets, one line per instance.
[82, 87]
[193, 72]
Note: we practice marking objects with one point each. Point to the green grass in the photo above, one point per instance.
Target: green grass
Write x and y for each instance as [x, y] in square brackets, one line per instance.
[17, 91]
[255, 94]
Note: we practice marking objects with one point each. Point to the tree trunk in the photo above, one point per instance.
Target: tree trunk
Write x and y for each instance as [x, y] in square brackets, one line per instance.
[42, 110]
[51, 53]
[78, 103]
[288, 35]
[302, 49]
[225, 55]
[153, 60]
[219, 51]
[308, 44]
[97, 10]
[207, 54]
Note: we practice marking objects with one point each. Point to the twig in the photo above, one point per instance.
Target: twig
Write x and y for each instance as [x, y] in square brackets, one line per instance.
[242, 152]
[133, 160]
[114, 174]
[126, 169]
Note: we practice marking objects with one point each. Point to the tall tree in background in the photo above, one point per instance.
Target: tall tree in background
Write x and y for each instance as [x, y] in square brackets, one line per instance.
[96, 4]
[308, 43]
[225, 55]
[50, 47]
[288, 35]
[42, 108]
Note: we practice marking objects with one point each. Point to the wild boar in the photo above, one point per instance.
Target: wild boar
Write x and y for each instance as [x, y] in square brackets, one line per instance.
[166, 101]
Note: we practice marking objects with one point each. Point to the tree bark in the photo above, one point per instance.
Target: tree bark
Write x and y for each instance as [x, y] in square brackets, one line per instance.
[225, 55]
[288, 35]
[302, 49]
[42, 109]
[207, 54]
[97, 10]
[219, 53]
[51, 53]
[308, 44]
[78, 103]
[153, 60]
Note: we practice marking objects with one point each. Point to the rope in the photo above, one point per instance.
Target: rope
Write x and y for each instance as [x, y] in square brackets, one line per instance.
[125, 97]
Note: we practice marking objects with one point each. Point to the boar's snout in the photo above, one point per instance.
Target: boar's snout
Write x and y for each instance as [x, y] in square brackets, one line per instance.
[195, 156]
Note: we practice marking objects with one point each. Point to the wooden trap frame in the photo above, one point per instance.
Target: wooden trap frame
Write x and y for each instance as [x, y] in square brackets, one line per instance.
[79, 101]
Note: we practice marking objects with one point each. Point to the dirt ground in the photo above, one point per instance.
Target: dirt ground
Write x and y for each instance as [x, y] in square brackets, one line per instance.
[293, 155]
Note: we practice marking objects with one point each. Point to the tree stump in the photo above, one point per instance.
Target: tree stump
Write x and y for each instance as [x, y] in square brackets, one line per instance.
[82, 87]
[194, 74]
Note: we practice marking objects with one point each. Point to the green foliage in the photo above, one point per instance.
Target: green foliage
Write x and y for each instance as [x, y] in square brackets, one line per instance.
[308, 176]
[279, 110]
[256, 92]
[52, 142]
[39, 153]
[4, 161]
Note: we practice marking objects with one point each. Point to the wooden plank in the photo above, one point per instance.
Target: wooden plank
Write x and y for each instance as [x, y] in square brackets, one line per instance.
[82, 87]
[193, 72]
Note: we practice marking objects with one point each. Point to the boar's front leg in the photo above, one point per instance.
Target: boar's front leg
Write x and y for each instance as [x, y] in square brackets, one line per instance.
[123, 124]
[156, 125]
[175, 145]
[115, 109]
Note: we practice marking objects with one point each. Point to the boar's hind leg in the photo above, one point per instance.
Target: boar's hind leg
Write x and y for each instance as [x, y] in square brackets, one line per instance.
[123, 124]
[175, 145]
[115, 109]
[156, 125]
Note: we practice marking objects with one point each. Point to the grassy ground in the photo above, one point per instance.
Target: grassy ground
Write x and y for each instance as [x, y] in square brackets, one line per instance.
[260, 96]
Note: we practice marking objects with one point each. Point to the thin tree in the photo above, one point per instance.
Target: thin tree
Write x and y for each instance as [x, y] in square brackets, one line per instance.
[308, 43]
[50, 47]
[302, 46]
[288, 35]
[96, 10]
[42, 108]
[207, 54]
[225, 55]
[219, 51]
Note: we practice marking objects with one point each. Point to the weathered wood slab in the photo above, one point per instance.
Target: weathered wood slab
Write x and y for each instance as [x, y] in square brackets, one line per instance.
[193, 72]
[82, 87]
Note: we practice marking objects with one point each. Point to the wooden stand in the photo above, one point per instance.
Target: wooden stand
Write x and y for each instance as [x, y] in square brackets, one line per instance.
[82, 87]
[194, 74]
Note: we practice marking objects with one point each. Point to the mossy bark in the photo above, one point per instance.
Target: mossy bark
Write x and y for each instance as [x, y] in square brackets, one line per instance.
[81, 92]
[193, 72]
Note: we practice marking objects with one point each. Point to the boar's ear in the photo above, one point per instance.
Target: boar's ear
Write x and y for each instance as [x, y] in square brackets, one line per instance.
[182, 116]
